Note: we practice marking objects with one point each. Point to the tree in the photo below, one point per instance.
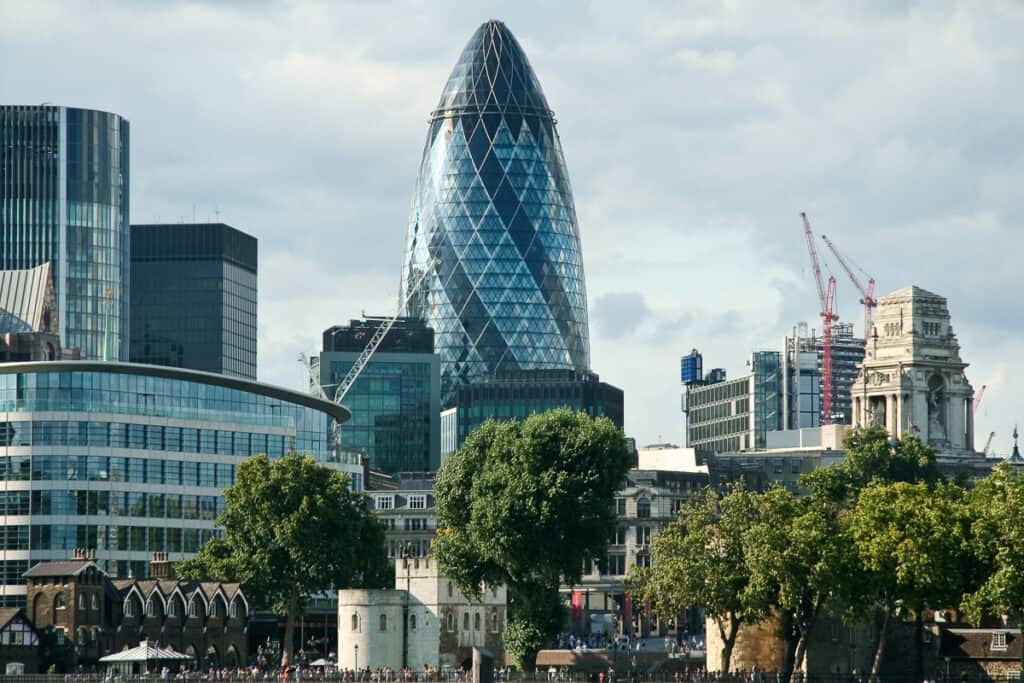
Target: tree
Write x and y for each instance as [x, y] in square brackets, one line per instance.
[913, 542]
[998, 544]
[523, 504]
[797, 554]
[698, 560]
[293, 528]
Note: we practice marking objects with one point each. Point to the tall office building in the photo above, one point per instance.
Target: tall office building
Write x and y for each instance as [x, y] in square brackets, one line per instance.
[801, 366]
[396, 402]
[193, 297]
[493, 207]
[64, 181]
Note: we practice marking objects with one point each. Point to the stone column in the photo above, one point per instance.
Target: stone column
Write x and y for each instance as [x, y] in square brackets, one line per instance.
[897, 416]
[889, 410]
[858, 418]
[969, 411]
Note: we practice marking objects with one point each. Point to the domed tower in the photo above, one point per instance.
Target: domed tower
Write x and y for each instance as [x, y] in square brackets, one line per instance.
[493, 210]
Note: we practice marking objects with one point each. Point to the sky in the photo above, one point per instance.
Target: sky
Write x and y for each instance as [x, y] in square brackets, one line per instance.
[694, 132]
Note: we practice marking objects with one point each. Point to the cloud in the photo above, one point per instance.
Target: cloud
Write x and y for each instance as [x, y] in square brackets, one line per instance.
[619, 314]
[694, 134]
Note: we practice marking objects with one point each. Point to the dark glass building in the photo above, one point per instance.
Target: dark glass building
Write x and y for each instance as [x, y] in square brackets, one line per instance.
[494, 207]
[64, 181]
[396, 401]
[194, 297]
[515, 395]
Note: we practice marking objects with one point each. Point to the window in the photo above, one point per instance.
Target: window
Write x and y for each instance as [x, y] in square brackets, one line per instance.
[451, 622]
[476, 621]
[643, 535]
[150, 608]
[999, 641]
[620, 507]
[494, 621]
[417, 502]
[620, 536]
[171, 609]
[233, 610]
[616, 564]
[355, 622]
[465, 621]
[213, 608]
[95, 604]
[643, 508]
[383, 622]
[129, 608]
[193, 609]
[385, 503]
[449, 589]
[81, 602]
[412, 622]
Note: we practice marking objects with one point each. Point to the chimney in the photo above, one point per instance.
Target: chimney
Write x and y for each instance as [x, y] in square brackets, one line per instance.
[160, 566]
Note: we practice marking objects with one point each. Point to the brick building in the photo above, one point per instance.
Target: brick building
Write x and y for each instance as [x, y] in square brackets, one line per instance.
[100, 615]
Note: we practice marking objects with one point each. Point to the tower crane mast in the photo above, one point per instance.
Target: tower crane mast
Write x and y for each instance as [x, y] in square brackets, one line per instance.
[977, 399]
[826, 300]
[867, 294]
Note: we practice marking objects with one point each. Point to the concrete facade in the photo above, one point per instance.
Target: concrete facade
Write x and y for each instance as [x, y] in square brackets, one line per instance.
[425, 621]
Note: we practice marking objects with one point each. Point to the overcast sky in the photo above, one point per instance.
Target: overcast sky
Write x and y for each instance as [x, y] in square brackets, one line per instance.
[695, 133]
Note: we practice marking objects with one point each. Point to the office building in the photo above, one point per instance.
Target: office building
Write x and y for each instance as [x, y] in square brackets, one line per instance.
[193, 297]
[396, 401]
[736, 414]
[517, 395]
[132, 459]
[64, 198]
[493, 217]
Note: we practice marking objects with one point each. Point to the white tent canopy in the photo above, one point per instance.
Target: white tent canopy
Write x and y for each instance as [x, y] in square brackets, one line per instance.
[145, 652]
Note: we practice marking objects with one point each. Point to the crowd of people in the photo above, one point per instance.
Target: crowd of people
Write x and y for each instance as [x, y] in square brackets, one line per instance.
[680, 643]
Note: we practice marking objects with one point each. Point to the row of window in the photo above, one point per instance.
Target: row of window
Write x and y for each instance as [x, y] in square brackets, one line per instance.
[112, 503]
[109, 537]
[104, 468]
[142, 436]
[413, 502]
[450, 622]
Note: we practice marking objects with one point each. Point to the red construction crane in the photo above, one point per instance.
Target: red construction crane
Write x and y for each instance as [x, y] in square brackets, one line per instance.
[827, 300]
[867, 294]
[977, 399]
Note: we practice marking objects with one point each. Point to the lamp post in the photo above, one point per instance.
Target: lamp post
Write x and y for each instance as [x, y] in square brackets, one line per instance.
[356, 667]
[947, 668]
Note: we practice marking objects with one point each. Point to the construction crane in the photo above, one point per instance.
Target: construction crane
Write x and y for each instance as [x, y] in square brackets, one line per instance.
[867, 294]
[364, 358]
[826, 299]
[977, 399]
[988, 443]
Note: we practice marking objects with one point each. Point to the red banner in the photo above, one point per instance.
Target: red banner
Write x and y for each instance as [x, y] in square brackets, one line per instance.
[577, 606]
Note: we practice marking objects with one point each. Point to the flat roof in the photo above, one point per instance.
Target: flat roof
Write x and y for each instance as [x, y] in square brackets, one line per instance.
[338, 412]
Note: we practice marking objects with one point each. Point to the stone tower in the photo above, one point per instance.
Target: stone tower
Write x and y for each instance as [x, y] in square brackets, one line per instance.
[912, 379]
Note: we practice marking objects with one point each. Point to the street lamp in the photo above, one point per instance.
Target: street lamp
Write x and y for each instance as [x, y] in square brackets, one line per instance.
[356, 667]
[947, 668]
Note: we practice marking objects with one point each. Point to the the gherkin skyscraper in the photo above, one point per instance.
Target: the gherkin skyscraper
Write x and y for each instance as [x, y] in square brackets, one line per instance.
[494, 212]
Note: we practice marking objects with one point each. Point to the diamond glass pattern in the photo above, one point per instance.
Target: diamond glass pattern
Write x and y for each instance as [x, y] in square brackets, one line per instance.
[494, 207]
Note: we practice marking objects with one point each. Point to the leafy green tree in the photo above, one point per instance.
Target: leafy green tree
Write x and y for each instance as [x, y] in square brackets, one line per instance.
[914, 542]
[797, 553]
[998, 543]
[523, 504]
[293, 528]
[699, 560]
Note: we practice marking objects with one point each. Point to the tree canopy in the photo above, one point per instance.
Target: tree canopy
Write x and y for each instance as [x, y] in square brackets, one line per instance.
[293, 528]
[523, 504]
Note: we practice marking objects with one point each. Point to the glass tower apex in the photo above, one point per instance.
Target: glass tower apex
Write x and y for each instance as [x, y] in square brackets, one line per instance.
[493, 208]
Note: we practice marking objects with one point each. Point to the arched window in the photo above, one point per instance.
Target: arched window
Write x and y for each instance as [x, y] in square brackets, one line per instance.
[213, 608]
[451, 622]
[95, 605]
[383, 622]
[150, 608]
[60, 601]
[233, 610]
[193, 608]
[81, 602]
[494, 621]
[476, 621]
[643, 508]
[171, 608]
[412, 622]
[465, 621]
[355, 622]
[129, 607]
[449, 589]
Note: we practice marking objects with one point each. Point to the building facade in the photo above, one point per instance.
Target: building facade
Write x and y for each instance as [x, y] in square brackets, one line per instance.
[493, 217]
[517, 395]
[132, 459]
[409, 515]
[193, 297]
[64, 198]
[801, 358]
[425, 621]
[100, 615]
[396, 401]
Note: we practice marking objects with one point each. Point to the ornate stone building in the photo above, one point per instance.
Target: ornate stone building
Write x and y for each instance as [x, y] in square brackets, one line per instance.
[912, 379]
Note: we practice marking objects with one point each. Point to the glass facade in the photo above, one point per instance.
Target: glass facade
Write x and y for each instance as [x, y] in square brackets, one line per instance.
[493, 205]
[129, 459]
[64, 188]
[193, 298]
[514, 396]
[396, 401]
